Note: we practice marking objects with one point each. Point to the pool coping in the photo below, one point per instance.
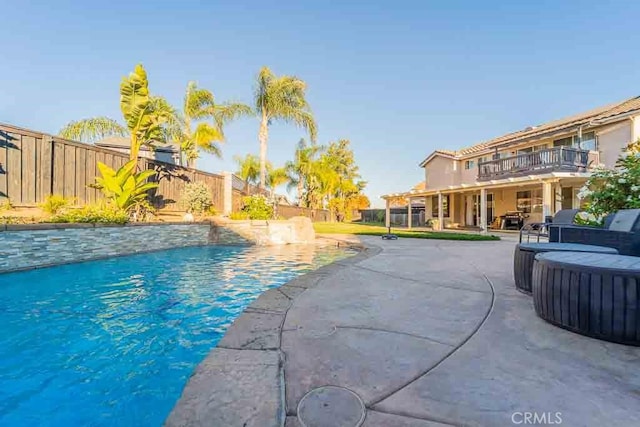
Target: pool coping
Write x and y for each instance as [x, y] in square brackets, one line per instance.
[238, 379]
[38, 226]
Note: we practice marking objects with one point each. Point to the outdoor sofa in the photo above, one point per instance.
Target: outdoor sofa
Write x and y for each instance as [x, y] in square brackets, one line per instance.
[541, 229]
[591, 292]
[525, 252]
[621, 231]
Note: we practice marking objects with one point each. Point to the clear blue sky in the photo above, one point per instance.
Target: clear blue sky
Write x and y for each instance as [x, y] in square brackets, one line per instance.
[397, 78]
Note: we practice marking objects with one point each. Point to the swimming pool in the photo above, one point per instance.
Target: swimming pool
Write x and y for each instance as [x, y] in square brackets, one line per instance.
[113, 342]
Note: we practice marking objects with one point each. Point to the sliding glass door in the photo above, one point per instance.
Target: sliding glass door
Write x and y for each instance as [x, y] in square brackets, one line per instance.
[490, 209]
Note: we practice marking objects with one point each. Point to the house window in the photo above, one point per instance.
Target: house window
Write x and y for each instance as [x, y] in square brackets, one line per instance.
[567, 197]
[563, 142]
[445, 206]
[529, 201]
[588, 141]
[523, 201]
[468, 164]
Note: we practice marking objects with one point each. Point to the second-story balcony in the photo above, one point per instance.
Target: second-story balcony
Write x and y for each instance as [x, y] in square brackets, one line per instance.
[556, 159]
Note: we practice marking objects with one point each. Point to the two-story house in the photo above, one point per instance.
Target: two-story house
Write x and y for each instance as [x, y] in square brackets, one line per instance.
[531, 173]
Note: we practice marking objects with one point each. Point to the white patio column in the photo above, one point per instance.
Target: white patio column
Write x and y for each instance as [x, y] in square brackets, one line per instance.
[409, 213]
[428, 211]
[483, 210]
[469, 212]
[440, 212]
[547, 200]
[387, 216]
[452, 207]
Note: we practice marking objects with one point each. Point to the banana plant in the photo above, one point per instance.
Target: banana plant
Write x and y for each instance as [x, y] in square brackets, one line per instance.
[145, 116]
[137, 106]
[124, 187]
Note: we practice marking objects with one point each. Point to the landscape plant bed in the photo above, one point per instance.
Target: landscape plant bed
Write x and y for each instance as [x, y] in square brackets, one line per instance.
[379, 230]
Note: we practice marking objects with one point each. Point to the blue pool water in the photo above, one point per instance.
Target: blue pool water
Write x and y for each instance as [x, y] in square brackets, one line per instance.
[113, 342]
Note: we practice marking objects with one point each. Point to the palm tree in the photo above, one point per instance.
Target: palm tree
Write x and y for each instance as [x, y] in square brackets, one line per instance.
[199, 105]
[93, 129]
[144, 115]
[300, 168]
[248, 169]
[276, 177]
[152, 119]
[280, 98]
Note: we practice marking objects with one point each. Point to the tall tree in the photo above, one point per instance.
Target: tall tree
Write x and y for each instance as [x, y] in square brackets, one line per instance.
[93, 129]
[189, 130]
[276, 177]
[334, 181]
[280, 98]
[143, 114]
[300, 168]
[248, 169]
[150, 119]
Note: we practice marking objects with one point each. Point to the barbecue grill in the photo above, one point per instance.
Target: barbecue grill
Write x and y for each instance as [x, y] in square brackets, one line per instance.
[513, 220]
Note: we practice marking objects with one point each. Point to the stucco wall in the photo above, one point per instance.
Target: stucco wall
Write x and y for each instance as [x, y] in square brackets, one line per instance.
[39, 245]
[611, 142]
[440, 173]
[635, 135]
[469, 176]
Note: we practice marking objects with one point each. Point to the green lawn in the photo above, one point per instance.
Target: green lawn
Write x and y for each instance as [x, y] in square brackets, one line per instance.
[378, 230]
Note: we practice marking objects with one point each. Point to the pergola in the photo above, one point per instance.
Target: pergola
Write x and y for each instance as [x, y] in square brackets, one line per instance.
[550, 194]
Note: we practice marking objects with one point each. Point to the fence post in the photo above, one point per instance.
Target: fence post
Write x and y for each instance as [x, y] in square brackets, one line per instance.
[228, 193]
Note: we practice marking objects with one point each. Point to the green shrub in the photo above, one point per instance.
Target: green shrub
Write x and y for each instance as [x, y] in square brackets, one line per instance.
[196, 197]
[55, 204]
[586, 218]
[257, 207]
[610, 190]
[101, 214]
[7, 219]
[6, 205]
[239, 215]
[125, 188]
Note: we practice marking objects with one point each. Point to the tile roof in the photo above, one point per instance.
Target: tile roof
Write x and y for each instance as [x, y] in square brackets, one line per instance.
[589, 117]
[447, 152]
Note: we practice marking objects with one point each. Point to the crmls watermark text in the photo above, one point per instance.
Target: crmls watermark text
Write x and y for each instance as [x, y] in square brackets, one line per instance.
[536, 418]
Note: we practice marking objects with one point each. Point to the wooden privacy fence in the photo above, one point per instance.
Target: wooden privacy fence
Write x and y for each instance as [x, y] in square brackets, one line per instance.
[241, 189]
[34, 165]
[316, 215]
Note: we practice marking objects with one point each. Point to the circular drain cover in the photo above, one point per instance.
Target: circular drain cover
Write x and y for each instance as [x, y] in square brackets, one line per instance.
[331, 406]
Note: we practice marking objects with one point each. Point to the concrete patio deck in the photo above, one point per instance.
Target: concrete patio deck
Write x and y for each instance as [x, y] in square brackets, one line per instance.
[426, 333]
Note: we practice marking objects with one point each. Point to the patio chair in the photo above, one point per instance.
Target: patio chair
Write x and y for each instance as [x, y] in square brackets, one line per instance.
[621, 231]
[541, 229]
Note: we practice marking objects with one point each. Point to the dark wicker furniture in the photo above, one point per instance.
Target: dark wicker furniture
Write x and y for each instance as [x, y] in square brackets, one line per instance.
[621, 231]
[526, 252]
[593, 294]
